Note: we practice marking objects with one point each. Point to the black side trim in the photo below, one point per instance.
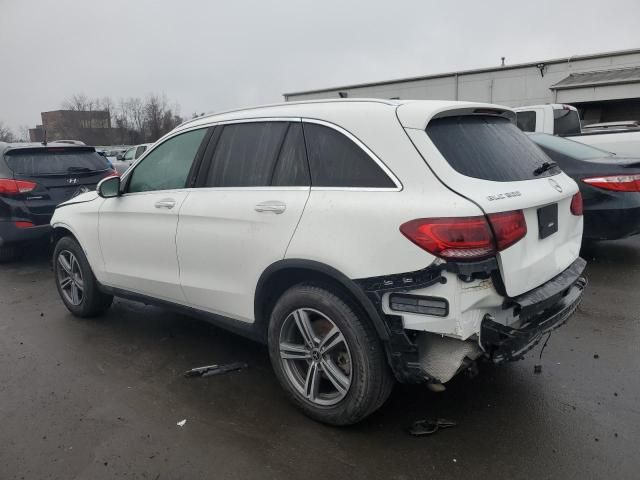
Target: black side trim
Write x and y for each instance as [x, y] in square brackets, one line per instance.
[247, 330]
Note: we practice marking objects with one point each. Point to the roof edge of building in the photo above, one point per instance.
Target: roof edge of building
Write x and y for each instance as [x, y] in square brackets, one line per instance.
[590, 56]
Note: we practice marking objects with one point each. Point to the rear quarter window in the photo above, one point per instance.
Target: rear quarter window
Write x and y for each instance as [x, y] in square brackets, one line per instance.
[487, 147]
[566, 122]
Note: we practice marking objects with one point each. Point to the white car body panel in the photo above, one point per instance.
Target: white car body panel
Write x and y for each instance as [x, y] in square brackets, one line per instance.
[138, 242]
[224, 244]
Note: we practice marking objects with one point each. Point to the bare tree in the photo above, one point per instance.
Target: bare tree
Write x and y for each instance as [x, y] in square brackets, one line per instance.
[23, 133]
[77, 101]
[6, 135]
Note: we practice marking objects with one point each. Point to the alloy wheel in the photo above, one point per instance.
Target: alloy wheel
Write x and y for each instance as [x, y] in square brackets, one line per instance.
[70, 277]
[315, 356]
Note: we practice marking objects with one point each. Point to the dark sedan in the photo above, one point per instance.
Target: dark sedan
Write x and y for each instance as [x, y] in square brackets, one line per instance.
[610, 186]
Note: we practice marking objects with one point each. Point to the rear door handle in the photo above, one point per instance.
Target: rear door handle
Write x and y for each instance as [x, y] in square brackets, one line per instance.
[167, 203]
[271, 207]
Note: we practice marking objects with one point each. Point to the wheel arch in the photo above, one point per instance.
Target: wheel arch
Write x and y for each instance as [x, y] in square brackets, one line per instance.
[281, 275]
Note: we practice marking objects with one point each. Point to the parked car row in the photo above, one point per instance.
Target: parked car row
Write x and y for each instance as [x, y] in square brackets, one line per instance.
[365, 242]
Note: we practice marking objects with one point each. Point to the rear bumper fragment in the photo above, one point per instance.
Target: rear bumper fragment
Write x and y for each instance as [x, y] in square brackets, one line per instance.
[542, 310]
[10, 233]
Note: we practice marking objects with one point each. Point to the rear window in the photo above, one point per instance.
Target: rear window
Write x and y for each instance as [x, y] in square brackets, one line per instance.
[487, 147]
[569, 148]
[566, 122]
[55, 162]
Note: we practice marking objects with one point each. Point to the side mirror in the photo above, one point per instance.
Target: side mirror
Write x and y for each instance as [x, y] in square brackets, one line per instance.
[109, 187]
[120, 157]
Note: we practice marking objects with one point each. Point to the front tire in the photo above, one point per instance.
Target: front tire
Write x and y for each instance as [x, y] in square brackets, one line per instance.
[75, 281]
[327, 355]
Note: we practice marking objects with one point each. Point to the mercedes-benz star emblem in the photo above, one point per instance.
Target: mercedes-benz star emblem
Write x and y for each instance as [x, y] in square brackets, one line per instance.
[555, 185]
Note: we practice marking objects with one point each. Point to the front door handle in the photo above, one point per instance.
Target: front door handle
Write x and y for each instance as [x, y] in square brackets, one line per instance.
[271, 207]
[167, 203]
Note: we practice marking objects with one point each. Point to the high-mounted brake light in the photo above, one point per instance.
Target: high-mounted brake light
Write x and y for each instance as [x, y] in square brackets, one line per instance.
[466, 238]
[617, 183]
[9, 186]
[576, 204]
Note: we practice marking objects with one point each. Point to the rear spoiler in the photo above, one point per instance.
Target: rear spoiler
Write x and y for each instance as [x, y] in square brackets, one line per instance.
[417, 115]
[51, 149]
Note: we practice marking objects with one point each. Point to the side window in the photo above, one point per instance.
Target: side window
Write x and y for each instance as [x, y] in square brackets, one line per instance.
[292, 169]
[336, 161]
[167, 167]
[128, 155]
[140, 150]
[526, 121]
[245, 155]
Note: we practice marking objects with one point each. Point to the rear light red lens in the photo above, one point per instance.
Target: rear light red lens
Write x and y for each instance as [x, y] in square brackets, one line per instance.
[466, 238]
[508, 227]
[112, 173]
[24, 224]
[9, 186]
[576, 204]
[617, 183]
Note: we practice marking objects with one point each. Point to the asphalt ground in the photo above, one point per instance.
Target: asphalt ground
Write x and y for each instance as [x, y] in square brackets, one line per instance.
[100, 399]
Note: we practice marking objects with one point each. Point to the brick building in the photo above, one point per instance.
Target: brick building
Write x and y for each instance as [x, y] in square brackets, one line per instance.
[91, 127]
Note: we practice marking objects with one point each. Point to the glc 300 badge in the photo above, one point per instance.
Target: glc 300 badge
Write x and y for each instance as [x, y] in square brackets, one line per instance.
[555, 185]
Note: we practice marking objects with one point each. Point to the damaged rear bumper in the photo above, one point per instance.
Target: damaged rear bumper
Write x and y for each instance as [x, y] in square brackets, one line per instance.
[541, 311]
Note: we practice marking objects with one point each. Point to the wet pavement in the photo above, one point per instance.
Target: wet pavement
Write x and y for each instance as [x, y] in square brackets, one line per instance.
[100, 399]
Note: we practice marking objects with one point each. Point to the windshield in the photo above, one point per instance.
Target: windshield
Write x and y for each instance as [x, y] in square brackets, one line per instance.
[487, 147]
[49, 162]
[576, 150]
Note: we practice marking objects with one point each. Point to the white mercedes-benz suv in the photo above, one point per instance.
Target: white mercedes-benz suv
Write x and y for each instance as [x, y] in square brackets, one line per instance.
[365, 241]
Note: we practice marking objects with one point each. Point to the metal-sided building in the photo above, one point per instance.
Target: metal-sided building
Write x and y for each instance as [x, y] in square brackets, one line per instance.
[604, 86]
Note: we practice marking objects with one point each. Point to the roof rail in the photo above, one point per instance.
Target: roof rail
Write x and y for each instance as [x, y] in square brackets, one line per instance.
[299, 102]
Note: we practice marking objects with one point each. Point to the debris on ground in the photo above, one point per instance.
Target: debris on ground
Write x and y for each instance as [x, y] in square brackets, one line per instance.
[537, 369]
[211, 370]
[596, 356]
[420, 428]
[181, 422]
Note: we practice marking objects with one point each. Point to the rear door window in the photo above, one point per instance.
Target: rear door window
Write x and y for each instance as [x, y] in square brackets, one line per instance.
[246, 154]
[292, 169]
[336, 161]
[566, 122]
[55, 161]
[487, 147]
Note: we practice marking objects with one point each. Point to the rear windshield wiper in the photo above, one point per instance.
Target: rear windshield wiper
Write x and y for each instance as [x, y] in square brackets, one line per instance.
[79, 169]
[544, 167]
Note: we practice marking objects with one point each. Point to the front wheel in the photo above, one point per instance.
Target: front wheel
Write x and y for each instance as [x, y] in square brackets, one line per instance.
[327, 356]
[75, 281]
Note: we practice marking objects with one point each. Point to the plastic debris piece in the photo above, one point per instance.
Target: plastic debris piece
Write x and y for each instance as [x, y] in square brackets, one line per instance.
[421, 428]
[181, 422]
[211, 370]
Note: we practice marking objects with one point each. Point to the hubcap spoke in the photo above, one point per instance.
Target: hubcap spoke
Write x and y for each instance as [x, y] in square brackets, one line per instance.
[305, 328]
[335, 375]
[312, 382]
[333, 338]
[291, 351]
[65, 282]
[64, 263]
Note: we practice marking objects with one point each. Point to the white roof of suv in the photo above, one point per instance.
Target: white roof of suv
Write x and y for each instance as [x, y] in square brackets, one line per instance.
[413, 114]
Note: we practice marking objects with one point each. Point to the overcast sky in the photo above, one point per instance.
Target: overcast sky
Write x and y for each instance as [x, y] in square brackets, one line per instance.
[213, 55]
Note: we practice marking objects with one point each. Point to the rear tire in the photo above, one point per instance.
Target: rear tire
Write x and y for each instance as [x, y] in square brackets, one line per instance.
[341, 350]
[75, 281]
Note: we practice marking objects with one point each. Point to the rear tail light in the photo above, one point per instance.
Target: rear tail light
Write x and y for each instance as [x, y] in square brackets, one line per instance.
[9, 186]
[466, 238]
[20, 224]
[576, 204]
[618, 183]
